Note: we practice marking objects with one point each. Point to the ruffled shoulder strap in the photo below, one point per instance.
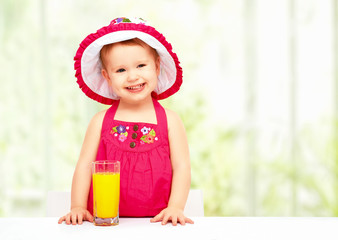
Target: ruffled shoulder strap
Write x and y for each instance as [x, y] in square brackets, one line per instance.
[161, 117]
[109, 116]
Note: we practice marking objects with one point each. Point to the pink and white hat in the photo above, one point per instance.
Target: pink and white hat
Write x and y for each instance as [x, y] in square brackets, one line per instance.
[88, 64]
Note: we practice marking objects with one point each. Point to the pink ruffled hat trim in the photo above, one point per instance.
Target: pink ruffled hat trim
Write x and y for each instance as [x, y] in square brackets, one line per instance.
[88, 64]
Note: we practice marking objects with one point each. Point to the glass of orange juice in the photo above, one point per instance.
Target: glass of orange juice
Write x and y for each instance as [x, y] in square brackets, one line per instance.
[106, 192]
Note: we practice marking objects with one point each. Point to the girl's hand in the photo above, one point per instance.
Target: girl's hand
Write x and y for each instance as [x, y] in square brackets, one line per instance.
[77, 215]
[172, 214]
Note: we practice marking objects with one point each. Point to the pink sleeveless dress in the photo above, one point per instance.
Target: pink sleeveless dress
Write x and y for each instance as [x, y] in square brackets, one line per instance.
[145, 166]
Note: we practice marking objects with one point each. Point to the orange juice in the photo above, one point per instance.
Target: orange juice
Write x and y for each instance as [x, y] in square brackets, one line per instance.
[106, 188]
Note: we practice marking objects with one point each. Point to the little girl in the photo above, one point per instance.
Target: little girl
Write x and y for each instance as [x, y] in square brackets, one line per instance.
[129, 65]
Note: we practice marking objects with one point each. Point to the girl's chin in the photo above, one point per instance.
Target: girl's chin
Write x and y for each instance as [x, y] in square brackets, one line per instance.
[135, 97]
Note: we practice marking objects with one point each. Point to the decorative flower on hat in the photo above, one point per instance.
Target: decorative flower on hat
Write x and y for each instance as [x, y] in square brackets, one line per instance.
[128, 20]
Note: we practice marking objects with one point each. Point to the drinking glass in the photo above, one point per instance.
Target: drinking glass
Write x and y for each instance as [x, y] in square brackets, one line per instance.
[106, 192]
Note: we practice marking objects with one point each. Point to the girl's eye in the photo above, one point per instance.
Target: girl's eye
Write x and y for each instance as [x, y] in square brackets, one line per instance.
[141, 65]
[120, 70]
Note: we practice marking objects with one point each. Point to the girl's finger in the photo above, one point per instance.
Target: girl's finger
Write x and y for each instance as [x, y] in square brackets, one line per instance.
[157, 218]
[165, 219]
[188, 220]
[181, 219]
[174, 220]
[74, 219]
[88, 217]
[68, 219]
[80, 218]
[62, 219]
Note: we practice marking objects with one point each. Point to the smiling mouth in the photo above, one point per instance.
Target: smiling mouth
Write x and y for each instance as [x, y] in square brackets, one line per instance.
[136, 87]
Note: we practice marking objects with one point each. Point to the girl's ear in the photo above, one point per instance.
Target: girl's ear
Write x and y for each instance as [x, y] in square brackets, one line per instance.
[105, 75]
[158, 66]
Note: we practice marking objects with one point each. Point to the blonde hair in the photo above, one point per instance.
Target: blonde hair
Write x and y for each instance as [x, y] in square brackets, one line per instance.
[134, 41]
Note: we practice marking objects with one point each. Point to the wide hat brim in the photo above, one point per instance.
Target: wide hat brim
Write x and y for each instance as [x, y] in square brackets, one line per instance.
[88, 64]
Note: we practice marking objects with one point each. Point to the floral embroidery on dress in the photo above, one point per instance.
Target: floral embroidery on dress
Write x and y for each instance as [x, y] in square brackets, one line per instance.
[149, 135]
[145, 130]
[120, 131]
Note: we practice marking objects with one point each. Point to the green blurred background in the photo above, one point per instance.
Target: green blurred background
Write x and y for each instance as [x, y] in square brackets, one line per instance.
[259, 99]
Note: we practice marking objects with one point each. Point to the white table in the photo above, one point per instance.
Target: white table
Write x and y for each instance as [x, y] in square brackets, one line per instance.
[231, 228]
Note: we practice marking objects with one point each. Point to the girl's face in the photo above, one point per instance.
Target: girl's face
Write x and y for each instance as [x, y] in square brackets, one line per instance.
[131, 71]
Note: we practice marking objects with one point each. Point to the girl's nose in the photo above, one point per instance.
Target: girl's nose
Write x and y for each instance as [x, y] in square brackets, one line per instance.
[133, 76]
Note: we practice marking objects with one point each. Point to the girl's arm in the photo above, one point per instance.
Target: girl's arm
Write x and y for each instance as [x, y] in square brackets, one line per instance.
[180, 160]
[82, 174]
